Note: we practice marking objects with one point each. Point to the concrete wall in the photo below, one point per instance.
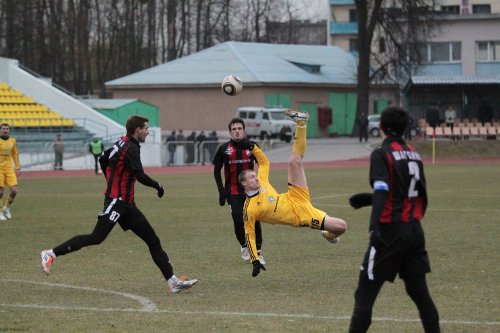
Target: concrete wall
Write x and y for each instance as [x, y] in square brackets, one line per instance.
[210, 109]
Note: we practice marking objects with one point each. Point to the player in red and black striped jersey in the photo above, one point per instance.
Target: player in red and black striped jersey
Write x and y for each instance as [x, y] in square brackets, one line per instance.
[122, 167]
[397, 243]
[234, 160]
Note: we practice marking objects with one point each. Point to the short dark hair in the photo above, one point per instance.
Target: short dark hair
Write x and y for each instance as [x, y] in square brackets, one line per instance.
[243, 175]
[135, 122]
[5, 124]
[236, 121]
[394, 121]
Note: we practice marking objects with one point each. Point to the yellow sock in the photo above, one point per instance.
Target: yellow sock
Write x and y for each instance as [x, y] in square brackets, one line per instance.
[299, 143]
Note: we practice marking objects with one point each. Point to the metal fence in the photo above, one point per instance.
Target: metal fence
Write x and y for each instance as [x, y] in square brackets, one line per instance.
[189, 152]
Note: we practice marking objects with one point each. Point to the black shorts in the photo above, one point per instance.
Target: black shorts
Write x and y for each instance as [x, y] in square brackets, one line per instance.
[236, 202]
[126, 215]
[401, 250]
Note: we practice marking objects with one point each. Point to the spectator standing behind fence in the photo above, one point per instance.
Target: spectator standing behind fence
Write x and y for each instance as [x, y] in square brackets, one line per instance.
[485, 112]
[180, 138]
[362, 123]
[58, 152]
[171, 148]
[212, 146]
[201, 147]
[96, 148]
[190, 147]
[449, 115]
[432, 116]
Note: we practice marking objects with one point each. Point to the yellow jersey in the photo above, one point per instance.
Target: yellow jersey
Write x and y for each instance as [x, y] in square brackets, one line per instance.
[292, 208]
[8, 154]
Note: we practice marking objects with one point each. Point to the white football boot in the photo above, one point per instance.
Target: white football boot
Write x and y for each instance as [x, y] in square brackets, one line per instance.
[296, 115]
[244, 254]
[182, 284]
[47, 260]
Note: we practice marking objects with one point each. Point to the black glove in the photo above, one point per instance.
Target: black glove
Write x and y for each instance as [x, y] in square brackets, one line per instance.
[222, 198]
[245, 144]
[359, 200]
[161, 190]
[257, 266]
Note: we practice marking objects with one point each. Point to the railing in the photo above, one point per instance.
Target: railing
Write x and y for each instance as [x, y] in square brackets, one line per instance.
[343, 28]
[43, 152]
[55, 85]
[341, 2]
[189, 152]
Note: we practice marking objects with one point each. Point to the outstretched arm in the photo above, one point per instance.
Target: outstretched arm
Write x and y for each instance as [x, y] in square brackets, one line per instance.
[264, 165]
[148, 181]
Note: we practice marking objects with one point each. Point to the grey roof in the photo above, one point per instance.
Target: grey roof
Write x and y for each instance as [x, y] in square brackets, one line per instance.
[253, 63]
[454, 80]
[98, 103]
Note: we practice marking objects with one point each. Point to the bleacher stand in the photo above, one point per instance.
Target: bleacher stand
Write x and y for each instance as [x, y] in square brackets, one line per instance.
[34, 125]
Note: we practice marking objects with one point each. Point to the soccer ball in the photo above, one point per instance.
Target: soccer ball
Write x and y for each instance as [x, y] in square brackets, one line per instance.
[232, 85]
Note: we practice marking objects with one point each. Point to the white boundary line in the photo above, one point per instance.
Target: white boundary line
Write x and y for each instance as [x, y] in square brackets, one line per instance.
[149, 306]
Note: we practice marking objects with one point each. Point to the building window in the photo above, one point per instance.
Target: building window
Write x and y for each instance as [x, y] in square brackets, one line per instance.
[353, 45]
[450, 9]
[439, 52]
[456, 51]
[481, 9]
[353, 15]
[488, 51]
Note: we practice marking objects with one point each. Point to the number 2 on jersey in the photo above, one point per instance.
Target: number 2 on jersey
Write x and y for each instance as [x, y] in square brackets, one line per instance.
[414, 172]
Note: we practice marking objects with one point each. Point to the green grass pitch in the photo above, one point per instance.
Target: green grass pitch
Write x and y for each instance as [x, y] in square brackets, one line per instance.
[309, 283]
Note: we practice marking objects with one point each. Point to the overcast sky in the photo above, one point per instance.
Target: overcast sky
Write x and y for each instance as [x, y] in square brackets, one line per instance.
[313, 9]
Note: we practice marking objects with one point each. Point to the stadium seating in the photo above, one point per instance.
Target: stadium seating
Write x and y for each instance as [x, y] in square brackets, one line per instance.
[483, 132]
[19, 110]
[474, 131]
[429, 132]
[465, 132]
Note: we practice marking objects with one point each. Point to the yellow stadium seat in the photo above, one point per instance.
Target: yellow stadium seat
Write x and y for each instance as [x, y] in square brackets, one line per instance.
[18, 123]
[56, 122]
[44, 122]
[32, 123]
[68, 122]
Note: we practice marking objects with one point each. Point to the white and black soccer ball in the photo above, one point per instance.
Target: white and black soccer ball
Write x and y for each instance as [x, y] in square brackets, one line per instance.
[232, 85]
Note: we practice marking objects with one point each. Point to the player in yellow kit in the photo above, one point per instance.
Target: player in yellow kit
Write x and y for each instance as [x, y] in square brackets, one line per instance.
[8, 175]
[293, 208]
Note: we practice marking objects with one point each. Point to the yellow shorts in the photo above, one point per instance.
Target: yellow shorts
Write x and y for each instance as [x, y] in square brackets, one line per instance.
[8, 179]
[308, 215]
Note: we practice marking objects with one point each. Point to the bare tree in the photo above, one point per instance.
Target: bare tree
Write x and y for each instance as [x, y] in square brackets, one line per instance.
[400, 29]
[81, 44]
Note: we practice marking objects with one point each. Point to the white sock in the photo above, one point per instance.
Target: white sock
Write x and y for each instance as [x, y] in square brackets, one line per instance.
[172, 281]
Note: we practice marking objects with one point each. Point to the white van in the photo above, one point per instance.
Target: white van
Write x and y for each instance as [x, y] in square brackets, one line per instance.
[266, 123]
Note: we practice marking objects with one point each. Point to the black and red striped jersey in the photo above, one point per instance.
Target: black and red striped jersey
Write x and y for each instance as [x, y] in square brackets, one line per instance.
[122, 162]
[398, 165]
[234, 160]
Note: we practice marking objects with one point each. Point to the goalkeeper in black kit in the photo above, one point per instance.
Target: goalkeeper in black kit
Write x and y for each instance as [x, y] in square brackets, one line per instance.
[397, 243]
